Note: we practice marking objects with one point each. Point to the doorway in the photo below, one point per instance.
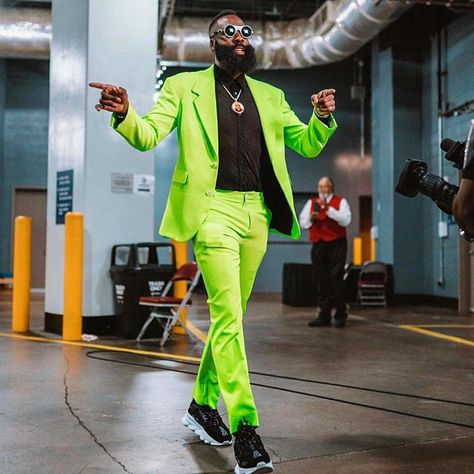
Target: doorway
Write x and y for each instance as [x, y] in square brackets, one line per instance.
[32, 202]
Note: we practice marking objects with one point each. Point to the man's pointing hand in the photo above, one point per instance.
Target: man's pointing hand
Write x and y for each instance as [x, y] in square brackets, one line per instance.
[112, 98]
[324, 102]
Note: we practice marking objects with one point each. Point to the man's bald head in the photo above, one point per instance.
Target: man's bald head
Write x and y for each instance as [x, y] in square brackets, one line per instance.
[325, 186]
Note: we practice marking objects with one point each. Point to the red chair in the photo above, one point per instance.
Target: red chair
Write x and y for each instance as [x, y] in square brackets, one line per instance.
[170, 308]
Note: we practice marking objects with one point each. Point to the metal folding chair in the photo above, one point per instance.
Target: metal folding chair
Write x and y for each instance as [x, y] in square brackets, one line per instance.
[372, 284]
[169, 308]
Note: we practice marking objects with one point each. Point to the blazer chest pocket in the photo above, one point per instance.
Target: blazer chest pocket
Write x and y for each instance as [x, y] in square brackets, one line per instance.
[180, 176]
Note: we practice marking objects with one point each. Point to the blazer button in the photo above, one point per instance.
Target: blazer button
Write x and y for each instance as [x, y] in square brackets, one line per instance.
[214, 165]
[209, 193]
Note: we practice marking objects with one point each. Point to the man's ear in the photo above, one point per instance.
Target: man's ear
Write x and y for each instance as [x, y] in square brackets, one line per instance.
[211, 44]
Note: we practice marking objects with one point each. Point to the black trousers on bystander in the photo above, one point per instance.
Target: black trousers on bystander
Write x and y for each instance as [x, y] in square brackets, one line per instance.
[329, 259]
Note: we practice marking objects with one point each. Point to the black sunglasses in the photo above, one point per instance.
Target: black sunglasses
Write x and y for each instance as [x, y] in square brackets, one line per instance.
[231, 30]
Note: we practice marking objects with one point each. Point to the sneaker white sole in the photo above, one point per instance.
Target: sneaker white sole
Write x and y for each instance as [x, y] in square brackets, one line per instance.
[194, 426]
[260, 468]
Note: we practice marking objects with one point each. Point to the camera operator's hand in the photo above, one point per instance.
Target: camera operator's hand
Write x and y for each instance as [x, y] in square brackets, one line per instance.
[463, 206]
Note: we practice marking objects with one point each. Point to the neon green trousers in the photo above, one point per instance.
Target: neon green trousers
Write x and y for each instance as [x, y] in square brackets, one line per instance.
[229, 248]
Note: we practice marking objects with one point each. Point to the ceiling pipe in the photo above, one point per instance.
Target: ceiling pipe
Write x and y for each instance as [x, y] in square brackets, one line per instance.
[331, 34]
[334, 32]
[25, 33]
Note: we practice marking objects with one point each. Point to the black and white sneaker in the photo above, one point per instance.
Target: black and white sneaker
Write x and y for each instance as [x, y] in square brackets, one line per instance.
[207, 424]
[249, 452]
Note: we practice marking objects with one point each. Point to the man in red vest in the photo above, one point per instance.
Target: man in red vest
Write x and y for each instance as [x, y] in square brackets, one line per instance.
[327, 216]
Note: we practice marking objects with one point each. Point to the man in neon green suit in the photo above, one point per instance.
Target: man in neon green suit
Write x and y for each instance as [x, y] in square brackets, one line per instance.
[230, 187]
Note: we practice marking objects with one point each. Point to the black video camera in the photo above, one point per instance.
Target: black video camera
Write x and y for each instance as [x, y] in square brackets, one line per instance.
[415, 178]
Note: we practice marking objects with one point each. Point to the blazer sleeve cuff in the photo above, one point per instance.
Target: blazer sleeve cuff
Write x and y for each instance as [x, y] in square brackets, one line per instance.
[329, 121]
[121, 125]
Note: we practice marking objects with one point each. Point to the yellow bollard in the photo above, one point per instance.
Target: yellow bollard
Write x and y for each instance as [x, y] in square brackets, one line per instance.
[21, 274]
[372, 250]
[357, 251]
[73, 252]
[180, 287]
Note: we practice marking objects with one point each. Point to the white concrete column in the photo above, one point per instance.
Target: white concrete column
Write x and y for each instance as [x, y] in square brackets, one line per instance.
[111, 41]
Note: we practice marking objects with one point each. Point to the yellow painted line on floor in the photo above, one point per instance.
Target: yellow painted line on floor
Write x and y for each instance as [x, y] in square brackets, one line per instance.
[196, 331]
[445, 326]
[104, 347]
[439, 335]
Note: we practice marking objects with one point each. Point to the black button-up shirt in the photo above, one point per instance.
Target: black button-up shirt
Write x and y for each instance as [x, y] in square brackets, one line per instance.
[240, 136]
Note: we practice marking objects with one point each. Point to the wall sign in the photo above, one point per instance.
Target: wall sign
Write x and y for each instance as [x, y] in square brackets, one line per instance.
[143, 184]
[122, 183]
[64, 189]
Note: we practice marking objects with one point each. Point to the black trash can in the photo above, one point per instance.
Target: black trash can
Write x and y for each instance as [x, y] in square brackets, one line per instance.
[141, 269]
[299, 284]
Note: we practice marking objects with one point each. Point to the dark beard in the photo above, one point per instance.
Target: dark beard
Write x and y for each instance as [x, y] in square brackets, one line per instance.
[233, 64]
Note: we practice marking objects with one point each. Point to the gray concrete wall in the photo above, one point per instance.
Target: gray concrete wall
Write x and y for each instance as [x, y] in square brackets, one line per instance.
[442, 265]
[121, 51]
[405, 125]
[382, 150]
[408, 241]
[24, 122]
[3, 229]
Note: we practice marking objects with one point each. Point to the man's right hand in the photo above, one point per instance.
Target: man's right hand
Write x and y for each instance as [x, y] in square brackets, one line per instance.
[112, 98]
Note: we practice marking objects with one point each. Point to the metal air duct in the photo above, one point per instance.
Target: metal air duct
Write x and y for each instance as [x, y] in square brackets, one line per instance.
[25, 33]
[334, 32]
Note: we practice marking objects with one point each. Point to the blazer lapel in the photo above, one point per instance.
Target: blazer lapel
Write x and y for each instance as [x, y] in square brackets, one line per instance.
[205, 104]
[262, 99]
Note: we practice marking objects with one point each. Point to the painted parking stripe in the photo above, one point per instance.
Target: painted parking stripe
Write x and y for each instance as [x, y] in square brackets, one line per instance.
[448, 326]
[196, 331]
[88, 345]
[438, 335]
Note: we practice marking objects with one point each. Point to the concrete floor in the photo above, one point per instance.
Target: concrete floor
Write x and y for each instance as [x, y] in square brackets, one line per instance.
[63, 411]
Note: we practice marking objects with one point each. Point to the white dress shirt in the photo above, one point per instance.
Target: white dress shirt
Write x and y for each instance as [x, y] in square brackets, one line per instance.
[342, 215]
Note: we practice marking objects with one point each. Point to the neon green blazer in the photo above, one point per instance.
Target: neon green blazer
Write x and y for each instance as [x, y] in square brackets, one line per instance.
[187, 102]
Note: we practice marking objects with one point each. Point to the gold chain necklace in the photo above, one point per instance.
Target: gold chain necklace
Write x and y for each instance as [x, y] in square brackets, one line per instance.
[236, 106]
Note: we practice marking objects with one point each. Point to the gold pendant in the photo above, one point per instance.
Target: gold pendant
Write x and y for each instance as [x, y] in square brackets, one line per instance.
[237, 107]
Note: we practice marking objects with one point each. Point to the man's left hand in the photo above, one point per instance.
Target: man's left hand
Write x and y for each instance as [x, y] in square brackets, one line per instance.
[324, 102]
